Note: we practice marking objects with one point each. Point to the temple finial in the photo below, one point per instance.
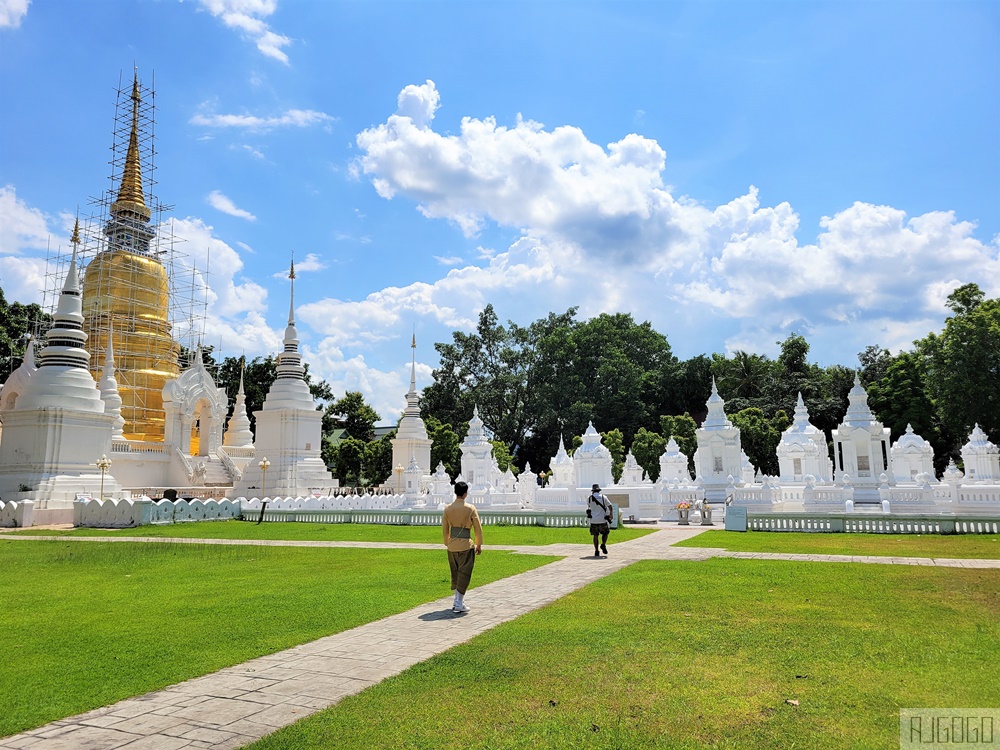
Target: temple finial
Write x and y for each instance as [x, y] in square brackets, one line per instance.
[130, 197]
[291, 298]
[75, 239]
[413, 363]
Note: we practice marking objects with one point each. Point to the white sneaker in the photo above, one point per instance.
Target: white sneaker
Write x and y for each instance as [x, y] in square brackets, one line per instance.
[463, 607]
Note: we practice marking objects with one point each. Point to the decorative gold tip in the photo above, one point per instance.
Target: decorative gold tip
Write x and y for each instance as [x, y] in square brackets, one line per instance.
[413, 343]
[291, 272]
[130, 197]
[75, 239]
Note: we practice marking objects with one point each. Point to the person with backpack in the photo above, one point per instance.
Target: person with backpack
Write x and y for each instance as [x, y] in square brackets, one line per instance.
[599, 511]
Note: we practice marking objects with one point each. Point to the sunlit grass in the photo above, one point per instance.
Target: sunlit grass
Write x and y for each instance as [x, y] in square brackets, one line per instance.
[696, 655]
[351, 532]
[892, 545]
[85, 625]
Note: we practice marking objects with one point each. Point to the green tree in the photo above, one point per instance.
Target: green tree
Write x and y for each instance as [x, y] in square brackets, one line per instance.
[352, 413]
[614, 441]
[501, 452]
[377, 460]
[963, 364]
[257, 379]
[647, 447]
[17, 321]
[759, 437]
[445, 446]
[874, 362]
[348, 458]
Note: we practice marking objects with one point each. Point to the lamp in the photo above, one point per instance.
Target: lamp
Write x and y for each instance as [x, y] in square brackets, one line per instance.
[264, 464]
[103, 463]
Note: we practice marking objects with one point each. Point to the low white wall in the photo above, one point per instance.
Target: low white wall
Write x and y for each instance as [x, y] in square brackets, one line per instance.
[17, 513]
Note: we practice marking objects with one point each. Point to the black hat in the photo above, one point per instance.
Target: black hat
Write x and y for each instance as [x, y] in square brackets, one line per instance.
[596, 488]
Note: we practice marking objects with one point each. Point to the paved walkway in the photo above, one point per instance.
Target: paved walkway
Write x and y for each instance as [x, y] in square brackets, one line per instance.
[240, 704]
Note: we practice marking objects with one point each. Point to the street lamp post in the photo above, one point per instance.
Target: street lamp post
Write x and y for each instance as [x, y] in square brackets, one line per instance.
[399, 477]
[264, 464]
[103, 463]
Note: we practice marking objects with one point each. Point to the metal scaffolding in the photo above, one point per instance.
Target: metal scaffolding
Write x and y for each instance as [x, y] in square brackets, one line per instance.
[139, 288]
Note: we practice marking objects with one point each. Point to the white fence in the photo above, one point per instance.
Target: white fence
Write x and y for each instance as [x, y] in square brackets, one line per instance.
[116, 514]
[417, 517]
[16, 513]
[862, 524]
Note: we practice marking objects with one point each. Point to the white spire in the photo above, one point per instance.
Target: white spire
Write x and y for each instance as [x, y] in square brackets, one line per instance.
[716, 419]
[109, 390]
[289, 390]
[858, 412]
[63, 377]
[291, 296]
[411, 426]
[238, 434]
[29, 353]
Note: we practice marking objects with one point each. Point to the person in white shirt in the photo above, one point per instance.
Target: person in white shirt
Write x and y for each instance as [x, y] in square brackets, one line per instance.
[599, 511]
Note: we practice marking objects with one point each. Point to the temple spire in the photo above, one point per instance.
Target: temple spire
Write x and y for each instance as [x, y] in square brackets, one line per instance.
[108, 386]
[291, 298]
[130, 197]
[413, 363]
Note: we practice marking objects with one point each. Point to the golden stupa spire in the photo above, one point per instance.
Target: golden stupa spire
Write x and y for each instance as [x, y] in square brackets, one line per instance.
[75, 239]
[130, 196]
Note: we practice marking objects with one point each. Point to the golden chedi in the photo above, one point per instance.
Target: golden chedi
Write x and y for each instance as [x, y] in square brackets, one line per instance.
[126, 292]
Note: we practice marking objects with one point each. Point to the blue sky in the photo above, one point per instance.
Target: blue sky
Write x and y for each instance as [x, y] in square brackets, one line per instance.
[730, 171]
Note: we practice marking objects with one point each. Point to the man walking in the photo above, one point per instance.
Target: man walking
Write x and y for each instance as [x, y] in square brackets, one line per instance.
[599, 512]
[458, 523]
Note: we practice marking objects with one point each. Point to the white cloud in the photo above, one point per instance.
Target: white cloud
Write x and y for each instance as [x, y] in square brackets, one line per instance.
[292, 118]
[312, 262]
[12, 12]
[256, 154]
[233, 306]
[223, 203]
[451, 260]
[246, 16]
[22, 279]
[21, 226]
[602, 231]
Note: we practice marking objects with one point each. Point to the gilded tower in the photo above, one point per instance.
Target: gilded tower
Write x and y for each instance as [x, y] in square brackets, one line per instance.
[126, 294]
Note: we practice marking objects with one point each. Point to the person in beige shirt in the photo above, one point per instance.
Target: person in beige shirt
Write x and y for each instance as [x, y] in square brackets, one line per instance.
[458, 524]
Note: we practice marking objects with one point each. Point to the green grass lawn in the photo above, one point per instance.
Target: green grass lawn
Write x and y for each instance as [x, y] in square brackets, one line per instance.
[696, 655]
[85, 625]
[351, 532]
[893, 545]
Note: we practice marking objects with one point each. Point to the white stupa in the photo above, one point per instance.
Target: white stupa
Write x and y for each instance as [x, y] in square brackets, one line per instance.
[674, 464]
[861, 447]
[592, 461]
[108, 387]
[411, 439]
[561, 466]
[478, 465]
[802, 450]
[980, 456]
[911, 456]
[719, 454]
[56, 428]
[289, 429]
[238, 434]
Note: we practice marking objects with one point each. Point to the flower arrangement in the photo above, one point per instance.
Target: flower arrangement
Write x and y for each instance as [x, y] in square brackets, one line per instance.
[684, 505]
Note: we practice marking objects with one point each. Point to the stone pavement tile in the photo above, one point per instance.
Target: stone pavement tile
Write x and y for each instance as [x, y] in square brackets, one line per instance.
[86, 738]
[16, 743]
[104, 720]
[216, 711]
[208, 735]
[282, 715]
[147, 724]
[157, 742]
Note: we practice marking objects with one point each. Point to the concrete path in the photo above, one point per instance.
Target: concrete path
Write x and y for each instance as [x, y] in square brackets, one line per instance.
[240, 704]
